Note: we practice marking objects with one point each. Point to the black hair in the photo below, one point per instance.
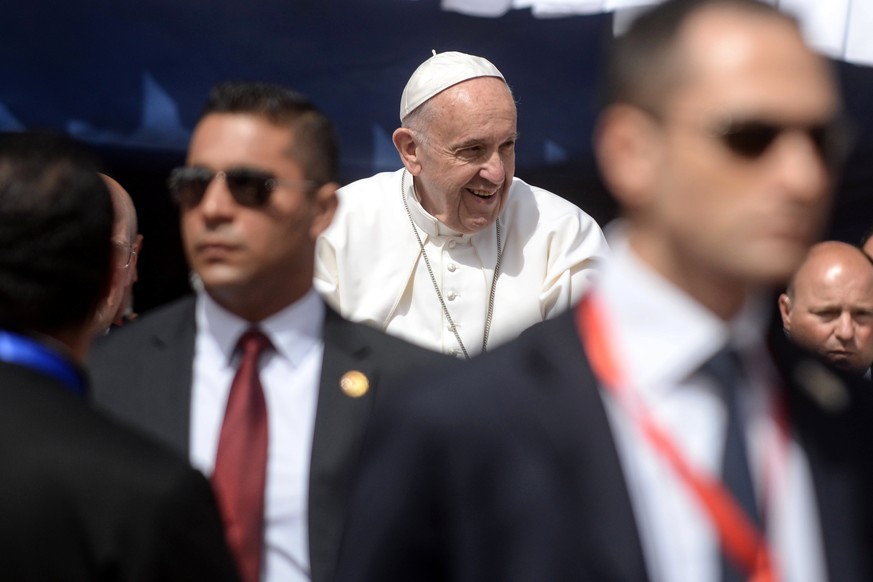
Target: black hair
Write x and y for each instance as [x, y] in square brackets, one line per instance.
[55, 231]
[315, 144]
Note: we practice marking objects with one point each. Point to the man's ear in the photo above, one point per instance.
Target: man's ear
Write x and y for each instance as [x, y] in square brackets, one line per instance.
[324, 207]
[407, 146]
[130, 273]
[785, 311]
[627, 145]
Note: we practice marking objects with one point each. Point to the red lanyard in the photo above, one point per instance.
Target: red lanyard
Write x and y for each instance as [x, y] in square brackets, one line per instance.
[742, 541]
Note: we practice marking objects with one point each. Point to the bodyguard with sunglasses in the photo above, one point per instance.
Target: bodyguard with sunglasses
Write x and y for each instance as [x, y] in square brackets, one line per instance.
[255, 380]
[662, 430]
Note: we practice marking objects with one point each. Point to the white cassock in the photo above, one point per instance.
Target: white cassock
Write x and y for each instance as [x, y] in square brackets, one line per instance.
[370, 268]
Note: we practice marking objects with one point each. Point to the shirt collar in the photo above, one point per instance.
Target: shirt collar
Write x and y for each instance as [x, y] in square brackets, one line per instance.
[293, 331]
[662, 335]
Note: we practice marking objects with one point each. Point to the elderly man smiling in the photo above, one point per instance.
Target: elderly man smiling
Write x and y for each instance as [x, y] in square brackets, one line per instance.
[452, 251]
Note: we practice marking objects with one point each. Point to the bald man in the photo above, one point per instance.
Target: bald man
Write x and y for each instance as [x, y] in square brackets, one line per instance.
[828, 307]
[126, 242]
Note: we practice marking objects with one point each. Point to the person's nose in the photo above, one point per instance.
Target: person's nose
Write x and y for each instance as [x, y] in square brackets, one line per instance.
[494, 169]
[845, 327]
[217, 203]
[801, 169]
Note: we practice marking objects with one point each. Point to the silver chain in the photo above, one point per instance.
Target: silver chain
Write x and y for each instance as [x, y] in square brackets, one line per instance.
[436, 287]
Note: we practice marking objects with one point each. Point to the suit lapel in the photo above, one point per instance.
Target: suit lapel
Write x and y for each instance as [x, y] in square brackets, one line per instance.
[581, 434]
[339, 429]
[166, 381]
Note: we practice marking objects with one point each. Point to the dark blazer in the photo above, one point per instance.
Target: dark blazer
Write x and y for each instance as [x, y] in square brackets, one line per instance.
[507, 470]
[83, 498]
[143, 374]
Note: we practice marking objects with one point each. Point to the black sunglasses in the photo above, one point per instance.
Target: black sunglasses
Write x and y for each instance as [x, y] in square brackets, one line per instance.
[250, 188]
[750, 139]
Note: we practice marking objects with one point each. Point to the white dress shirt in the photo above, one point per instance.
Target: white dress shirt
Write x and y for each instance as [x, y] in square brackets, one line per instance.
[369, 265]
[290, 379]
[661, 337]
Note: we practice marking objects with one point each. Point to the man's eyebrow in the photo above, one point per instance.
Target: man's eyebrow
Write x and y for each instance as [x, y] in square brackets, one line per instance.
[479, 141]
[468, 143]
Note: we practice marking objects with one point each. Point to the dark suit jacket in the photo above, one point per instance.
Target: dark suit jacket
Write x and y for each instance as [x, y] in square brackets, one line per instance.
[143, 373]
[83, 498]
[507, 470]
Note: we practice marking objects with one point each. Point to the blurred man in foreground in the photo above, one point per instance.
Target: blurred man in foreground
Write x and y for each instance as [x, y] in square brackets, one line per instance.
[81, 497]
[658, 432]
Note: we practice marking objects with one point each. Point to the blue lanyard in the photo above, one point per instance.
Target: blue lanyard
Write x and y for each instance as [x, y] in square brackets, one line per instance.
[24, 351]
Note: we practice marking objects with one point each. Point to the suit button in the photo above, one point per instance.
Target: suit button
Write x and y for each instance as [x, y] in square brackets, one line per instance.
[452, 267]
[452, 244]
[451, 295]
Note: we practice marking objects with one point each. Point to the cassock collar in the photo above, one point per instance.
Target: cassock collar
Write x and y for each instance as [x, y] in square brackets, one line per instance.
[422, 218]
[484, 241]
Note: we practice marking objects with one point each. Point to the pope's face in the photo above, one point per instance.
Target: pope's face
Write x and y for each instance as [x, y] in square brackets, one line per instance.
[466, 160]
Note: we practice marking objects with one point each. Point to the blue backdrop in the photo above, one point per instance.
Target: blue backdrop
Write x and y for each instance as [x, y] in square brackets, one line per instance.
[130, 78]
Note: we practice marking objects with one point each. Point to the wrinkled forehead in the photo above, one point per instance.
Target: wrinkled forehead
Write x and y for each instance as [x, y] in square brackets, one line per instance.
[480, 94]
[752, 64]
[480, 109]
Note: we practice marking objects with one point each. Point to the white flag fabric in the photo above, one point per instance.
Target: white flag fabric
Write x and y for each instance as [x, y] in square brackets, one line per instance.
[838, 28]
[492, 8]
[550, 8]
[859, 44]
[824, 23]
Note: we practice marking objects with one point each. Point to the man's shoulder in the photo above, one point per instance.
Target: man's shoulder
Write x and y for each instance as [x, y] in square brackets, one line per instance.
[122, 482]
[160, 344]
[376, 185]
[524, 195]
[68, 428]
[516, 391]
[368, 204]
[385, 348]
[545, 357]
[164, 321]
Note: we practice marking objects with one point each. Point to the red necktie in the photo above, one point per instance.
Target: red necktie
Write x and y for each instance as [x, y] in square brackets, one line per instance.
[240, 472]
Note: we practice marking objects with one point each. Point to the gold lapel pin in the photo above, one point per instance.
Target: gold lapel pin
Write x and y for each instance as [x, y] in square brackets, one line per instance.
[354, 384]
